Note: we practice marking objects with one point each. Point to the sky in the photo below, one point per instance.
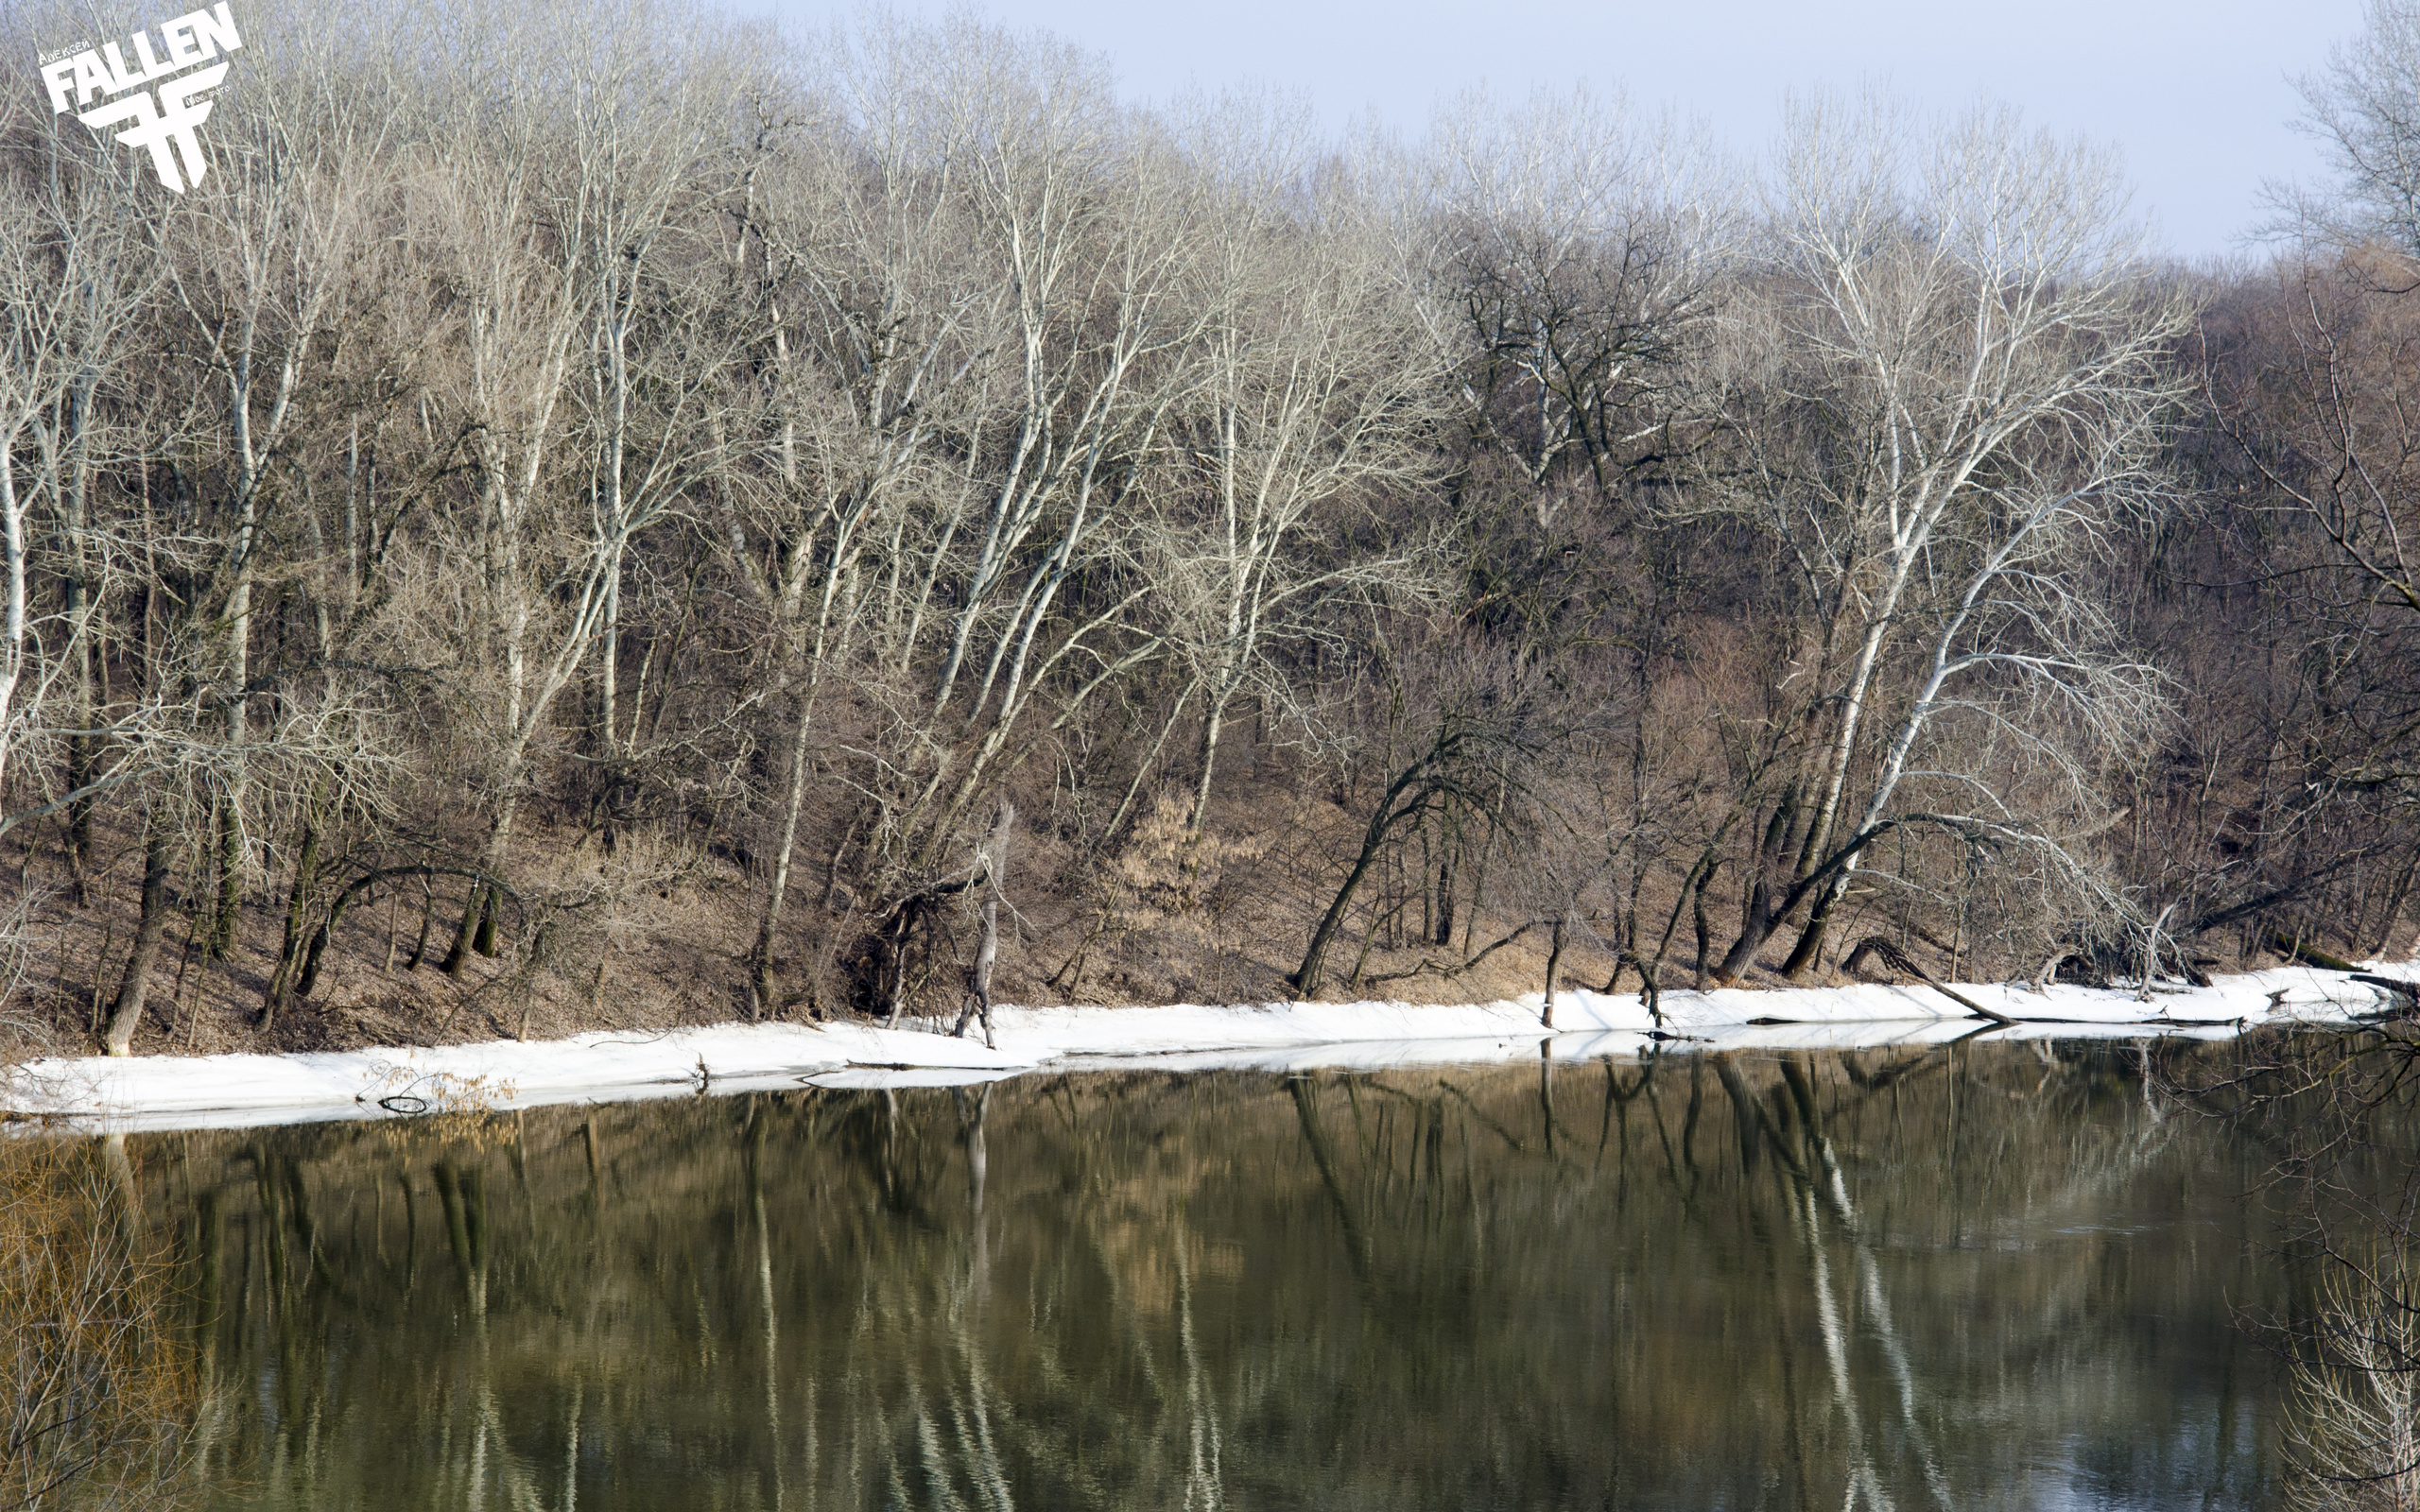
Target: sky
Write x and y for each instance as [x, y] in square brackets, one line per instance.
[2197, 97]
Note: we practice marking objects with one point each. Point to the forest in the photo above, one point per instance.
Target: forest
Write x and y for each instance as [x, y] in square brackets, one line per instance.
[582, 515]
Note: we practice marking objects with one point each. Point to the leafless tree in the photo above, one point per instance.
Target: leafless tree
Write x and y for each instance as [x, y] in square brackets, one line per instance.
[2359, 111]
[553, 230]
[73, 290]
[1313, 394]
[1947, 394]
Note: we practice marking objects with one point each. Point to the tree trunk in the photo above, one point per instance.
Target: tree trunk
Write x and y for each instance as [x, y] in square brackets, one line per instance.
[484, 941]
[82, 748]
[1210, 729]
[309, 980]
[427, 916]
[763, 1001]
[1554, 964]
[473, 913]
[1443, 933]
[477, 929]
[2295, 948]
[289, 954]
[1306, 978]
[1705, 929]
[1803, 955]
[1899, 960]
[227, 909]
[1760, 916]
[984, 956]
[126, 1012]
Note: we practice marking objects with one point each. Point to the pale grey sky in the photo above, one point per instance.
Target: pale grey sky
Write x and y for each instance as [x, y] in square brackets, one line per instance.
[2196, 96]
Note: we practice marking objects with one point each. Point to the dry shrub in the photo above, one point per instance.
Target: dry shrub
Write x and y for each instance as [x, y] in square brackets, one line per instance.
[408, 1092]
[1178, 891]
[1169, 878]
[101, 1388]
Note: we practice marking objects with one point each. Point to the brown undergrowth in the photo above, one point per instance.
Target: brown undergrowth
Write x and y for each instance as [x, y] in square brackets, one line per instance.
[1164, 916]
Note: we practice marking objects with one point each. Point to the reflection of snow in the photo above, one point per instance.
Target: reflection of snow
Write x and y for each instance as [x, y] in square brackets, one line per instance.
[231, 1090]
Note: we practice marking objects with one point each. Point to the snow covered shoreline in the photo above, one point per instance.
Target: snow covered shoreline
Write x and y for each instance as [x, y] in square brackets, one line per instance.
[96, 1094]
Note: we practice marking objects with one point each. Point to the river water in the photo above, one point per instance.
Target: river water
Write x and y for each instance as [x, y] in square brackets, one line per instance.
[1972, 1276]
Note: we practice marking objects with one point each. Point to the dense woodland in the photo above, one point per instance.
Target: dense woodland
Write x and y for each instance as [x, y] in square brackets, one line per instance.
[600, 514]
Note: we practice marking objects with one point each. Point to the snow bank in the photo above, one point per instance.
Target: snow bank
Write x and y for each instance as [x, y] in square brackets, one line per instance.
[216, 1091]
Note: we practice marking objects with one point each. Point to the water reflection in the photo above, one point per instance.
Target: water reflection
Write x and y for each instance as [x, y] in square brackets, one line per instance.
[98, 1381]
[1969, 1276]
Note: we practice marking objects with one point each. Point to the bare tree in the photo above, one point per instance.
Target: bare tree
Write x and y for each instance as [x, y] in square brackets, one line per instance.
[1093, 220]
[1473, 722]
[259, 254]
[1574, 255]
[554, 239]
[1314, 397]
[1945, 393]
[73, 286]
[2359, 111]
[875, 327]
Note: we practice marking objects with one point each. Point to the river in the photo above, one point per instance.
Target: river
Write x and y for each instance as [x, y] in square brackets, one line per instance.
[1975, 1276]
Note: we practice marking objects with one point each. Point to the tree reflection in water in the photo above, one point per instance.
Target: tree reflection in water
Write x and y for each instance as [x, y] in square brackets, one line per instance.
[1973, 1277]
[101, 1390]
[2337, 1116]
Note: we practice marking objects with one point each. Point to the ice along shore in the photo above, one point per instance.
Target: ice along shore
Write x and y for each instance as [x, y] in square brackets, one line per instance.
[98, 1094]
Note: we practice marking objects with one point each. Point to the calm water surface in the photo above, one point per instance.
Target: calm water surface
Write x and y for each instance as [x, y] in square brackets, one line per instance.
[1978, 1276]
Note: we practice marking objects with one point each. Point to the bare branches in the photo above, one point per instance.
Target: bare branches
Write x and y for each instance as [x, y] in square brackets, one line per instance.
[544, 433]
[1945, 395]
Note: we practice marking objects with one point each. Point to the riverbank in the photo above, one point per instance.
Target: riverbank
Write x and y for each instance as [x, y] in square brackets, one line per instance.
[95, 1093]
